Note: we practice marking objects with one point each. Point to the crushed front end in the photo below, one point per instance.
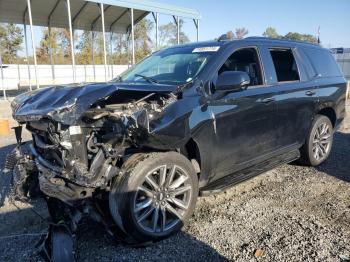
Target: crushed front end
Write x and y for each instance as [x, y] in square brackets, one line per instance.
[78, 147]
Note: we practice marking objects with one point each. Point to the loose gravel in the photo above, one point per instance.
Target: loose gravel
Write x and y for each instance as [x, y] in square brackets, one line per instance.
[291, 213]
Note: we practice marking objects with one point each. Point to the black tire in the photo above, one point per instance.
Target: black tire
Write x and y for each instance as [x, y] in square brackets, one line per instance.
[125, 193]
[307, 154]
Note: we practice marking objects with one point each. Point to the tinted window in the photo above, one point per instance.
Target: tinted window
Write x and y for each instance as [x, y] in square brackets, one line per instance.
[285, 65]
[323, 62]
[173, 66]
[305, 65]
[245, 60]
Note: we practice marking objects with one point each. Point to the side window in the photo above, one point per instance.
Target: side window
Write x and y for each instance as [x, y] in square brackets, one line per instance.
[285, 65]
[323, 62]
[246, 60]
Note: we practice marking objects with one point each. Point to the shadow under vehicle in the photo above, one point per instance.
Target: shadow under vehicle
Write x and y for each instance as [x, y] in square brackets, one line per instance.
[134, 153]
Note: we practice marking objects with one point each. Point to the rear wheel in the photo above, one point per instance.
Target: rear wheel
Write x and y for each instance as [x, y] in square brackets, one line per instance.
[155, 195]
[319, 142]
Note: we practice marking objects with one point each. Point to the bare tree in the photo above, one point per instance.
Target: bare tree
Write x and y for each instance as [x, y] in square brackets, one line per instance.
[241, 32]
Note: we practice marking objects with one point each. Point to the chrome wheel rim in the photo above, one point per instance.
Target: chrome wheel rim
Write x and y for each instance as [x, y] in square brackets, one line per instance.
[162, 199]
[321, 141]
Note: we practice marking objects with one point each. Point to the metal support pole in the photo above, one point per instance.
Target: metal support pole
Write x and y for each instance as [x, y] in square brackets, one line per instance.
[128, 48]
[197, 30]
[104, 40]
[33, 43]
[19, 73]
[178, 29]
[157, 31]
[155, 17]
[2, 78]
[132, 36]
[27, 55]
[71, 39]
[51, 55]
[111, 52]
[196, 23]
[93, 53]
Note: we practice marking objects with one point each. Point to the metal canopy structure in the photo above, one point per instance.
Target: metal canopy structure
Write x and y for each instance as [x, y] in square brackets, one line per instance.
[86, 15]
[113, 16]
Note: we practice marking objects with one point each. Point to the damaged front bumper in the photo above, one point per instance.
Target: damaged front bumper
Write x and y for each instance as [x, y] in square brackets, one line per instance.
[32, 174]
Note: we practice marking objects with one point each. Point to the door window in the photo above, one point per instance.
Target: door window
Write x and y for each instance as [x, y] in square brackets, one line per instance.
[246, 60]
[285, 65]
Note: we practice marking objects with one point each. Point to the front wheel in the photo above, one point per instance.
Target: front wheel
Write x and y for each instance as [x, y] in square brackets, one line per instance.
[319, 142]
[155, 195]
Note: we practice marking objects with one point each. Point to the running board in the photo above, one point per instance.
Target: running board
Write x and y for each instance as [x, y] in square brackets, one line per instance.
[228, 181]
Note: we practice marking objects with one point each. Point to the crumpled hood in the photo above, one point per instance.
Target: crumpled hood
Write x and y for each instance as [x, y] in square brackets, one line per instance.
[66, 104]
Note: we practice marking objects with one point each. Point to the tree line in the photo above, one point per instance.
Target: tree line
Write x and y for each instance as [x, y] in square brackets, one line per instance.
[56, 44]
[240, 33]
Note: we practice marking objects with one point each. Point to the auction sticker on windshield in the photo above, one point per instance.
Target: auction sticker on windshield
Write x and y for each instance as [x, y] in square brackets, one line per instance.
[206, 49]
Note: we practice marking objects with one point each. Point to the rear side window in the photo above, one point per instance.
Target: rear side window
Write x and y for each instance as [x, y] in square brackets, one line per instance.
[285, 65]
[323, 62]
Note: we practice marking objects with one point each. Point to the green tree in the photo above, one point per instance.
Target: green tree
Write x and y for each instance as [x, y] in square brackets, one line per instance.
[271, 33]
[301, 37]
[143, 43]
[11, 38]
[48, 42]
[59, 43]
[63, 38]
[168, 34]
[84, 47]
[120, 54]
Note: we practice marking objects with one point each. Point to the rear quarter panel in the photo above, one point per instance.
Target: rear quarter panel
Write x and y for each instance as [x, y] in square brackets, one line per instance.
[331, 92]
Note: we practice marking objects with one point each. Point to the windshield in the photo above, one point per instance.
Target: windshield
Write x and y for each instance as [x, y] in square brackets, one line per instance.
[174, 66]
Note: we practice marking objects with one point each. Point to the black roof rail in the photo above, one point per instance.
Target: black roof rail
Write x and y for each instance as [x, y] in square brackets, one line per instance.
[259, 38]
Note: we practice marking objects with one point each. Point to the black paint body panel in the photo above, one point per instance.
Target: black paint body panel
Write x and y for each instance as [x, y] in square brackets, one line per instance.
[234, 131]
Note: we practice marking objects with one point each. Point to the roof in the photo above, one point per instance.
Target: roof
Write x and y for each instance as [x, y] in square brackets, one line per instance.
[86, 14]
[279, 41]
[248, 40]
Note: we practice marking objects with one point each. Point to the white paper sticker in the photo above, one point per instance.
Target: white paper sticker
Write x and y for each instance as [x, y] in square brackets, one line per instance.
[206, 49]
[74, 130]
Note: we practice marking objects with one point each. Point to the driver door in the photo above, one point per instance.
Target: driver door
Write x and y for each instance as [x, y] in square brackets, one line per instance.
[243, 121]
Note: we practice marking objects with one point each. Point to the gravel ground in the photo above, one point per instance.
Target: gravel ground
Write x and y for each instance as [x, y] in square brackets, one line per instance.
[291, 213]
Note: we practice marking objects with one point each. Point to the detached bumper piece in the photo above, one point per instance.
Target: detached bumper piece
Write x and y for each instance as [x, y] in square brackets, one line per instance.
[58, 244]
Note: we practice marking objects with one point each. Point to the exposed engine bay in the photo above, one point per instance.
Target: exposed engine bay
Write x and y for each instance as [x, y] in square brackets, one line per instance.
[73, 161]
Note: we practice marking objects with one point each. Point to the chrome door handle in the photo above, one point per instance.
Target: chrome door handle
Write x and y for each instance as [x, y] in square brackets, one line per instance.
[268, 100]
[310, 93]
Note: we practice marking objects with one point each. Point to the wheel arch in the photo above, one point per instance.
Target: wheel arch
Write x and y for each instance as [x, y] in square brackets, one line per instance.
[330, 113]
[191, 150]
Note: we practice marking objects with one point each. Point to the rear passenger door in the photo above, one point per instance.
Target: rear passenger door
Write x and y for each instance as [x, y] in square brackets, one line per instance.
[294, 96]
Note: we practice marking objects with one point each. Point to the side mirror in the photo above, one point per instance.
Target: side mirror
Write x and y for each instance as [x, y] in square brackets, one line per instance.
[232, 81]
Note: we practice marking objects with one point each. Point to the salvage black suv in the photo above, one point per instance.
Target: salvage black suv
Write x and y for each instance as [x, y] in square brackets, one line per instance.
[186, 121]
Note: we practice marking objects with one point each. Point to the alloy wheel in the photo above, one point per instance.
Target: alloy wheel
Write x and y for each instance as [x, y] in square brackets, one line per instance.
[162, 199]
[322, 139]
